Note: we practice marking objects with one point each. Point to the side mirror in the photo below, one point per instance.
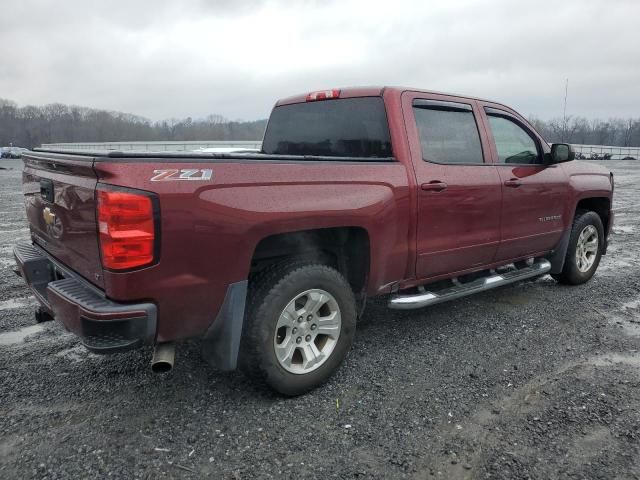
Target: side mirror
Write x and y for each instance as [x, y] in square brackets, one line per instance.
[561, 152]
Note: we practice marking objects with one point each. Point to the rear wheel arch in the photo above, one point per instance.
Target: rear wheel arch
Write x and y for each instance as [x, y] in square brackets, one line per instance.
[347, 249]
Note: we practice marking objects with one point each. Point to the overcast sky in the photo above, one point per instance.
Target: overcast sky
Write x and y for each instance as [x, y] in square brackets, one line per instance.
[164, 59]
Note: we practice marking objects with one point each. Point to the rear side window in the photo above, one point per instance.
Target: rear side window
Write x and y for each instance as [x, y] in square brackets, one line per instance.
[348, 127]
[448, 132]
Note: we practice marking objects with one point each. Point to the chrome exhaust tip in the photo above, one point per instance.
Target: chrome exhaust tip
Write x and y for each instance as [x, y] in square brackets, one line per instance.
[164, 356]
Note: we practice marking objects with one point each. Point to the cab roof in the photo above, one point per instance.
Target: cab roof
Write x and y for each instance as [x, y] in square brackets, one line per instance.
[372, 91]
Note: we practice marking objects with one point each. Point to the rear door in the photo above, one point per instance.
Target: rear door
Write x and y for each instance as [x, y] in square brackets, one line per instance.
[534, 194]
[459, 194]
[59, 196]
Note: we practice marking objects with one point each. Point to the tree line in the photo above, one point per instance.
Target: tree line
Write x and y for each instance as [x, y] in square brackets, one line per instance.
[620, 132]
[31, 126]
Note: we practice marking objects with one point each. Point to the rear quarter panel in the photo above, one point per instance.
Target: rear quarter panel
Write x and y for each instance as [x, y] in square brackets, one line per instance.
[210, 228]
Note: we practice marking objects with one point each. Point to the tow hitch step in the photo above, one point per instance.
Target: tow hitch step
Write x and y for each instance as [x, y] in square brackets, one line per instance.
[459, 288]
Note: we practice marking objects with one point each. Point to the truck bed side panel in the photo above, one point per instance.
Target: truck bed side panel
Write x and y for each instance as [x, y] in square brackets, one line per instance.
[210, 228]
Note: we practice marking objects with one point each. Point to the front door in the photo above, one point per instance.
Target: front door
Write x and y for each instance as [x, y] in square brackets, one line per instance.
[533, 194]
[459, 195]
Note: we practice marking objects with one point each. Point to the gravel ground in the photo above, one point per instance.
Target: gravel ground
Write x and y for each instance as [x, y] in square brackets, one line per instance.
[533, 380]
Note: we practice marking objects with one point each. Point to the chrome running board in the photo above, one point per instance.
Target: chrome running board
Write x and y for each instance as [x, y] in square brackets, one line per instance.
[459, 289]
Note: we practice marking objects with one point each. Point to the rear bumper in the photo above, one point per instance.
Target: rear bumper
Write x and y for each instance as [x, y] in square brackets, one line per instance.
[103, 325]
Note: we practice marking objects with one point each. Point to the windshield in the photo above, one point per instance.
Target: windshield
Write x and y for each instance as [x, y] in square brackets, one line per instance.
[348, 127]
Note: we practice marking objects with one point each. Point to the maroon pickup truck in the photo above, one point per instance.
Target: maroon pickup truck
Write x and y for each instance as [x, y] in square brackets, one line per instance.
[269, 256]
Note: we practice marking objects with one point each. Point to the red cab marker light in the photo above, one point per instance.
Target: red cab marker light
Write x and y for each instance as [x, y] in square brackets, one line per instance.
[323, 95]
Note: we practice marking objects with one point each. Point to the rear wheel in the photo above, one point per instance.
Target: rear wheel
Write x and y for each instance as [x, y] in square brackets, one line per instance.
[584, 250]
[299, 326]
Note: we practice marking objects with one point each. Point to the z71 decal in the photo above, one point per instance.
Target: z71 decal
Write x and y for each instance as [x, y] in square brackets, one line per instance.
[184, 174]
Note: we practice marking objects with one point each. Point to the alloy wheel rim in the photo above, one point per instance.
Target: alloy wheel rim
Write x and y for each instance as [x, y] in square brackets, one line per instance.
[307, 331]
[587, 248]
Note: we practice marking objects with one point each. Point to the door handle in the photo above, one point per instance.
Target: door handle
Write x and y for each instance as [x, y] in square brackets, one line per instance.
[434, 186]
[513, 183]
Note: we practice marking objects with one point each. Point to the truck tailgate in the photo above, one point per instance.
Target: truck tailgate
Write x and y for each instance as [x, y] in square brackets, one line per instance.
[59, 195]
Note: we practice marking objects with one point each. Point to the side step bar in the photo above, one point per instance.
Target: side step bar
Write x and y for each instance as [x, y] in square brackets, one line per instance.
[424, 298]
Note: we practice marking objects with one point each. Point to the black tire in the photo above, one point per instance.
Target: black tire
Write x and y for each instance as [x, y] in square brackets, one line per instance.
[571, 274]
[269, 293]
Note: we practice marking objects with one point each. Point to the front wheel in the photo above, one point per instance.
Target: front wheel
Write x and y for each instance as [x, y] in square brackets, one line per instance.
[299, 326]
[584, 250]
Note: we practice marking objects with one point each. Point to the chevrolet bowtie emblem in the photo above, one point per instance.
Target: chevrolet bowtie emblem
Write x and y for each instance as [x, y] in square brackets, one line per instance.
[49, 216]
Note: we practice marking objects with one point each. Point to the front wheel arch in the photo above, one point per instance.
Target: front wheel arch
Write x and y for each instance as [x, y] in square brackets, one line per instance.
[571, 273]
[599, 205]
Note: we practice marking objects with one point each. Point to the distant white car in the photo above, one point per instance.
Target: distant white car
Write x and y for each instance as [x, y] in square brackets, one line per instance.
[11, 152]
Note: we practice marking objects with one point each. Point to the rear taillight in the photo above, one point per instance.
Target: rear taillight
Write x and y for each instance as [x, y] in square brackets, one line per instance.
[127, 229]
[323, 95]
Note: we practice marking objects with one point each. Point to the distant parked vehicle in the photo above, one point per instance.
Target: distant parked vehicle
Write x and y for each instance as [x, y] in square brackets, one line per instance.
[11, 152]
[629, 158]
[15, 152]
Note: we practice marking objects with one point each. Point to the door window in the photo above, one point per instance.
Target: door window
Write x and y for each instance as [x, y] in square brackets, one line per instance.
[513, 143]
[448, 132]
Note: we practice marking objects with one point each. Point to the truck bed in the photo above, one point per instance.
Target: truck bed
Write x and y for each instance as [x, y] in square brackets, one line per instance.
[107, 155]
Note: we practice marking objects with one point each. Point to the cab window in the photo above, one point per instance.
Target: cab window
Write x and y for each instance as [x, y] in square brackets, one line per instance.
[448, 132]
[344, 127]
[513, 143]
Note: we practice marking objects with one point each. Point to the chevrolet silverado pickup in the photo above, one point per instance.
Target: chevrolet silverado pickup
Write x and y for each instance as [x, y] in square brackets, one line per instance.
[269, 257]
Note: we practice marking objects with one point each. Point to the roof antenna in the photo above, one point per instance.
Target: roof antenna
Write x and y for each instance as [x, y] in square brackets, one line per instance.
[564, 112]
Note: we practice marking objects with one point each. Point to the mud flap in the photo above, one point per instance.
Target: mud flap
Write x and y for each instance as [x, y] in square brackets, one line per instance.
[221, 343]
[559, 254]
